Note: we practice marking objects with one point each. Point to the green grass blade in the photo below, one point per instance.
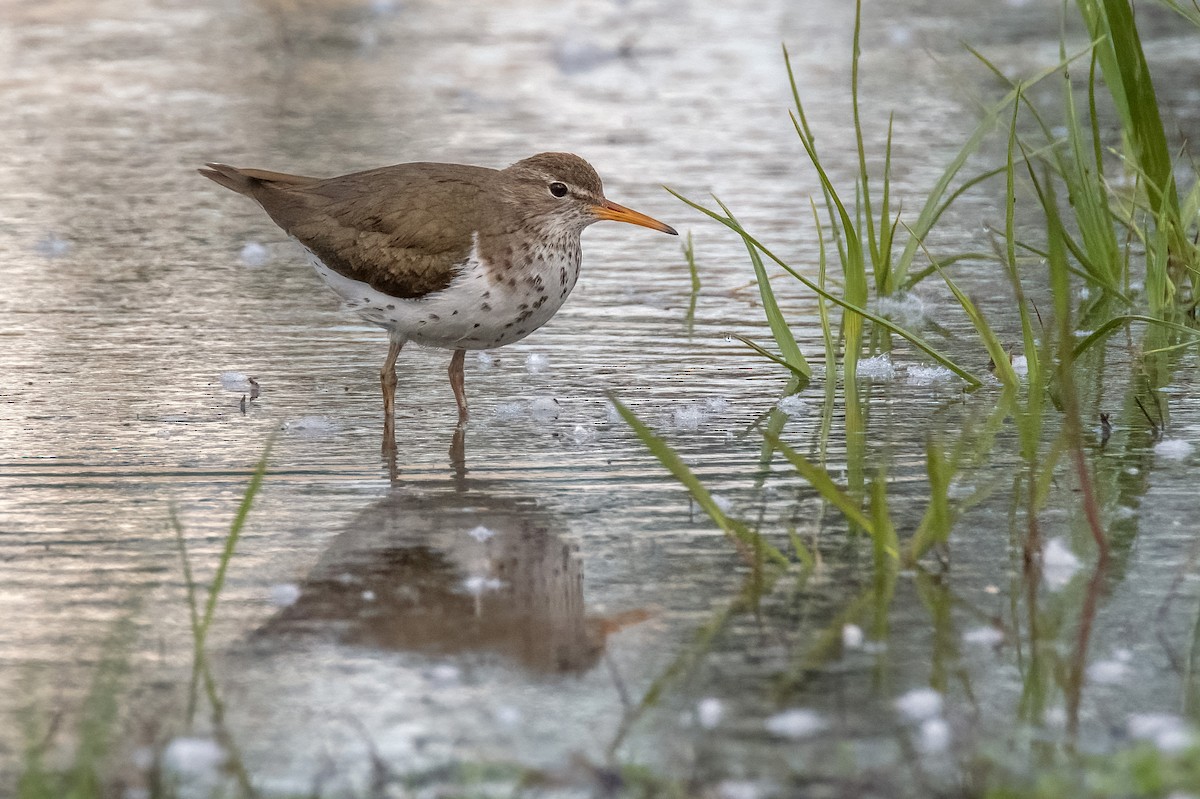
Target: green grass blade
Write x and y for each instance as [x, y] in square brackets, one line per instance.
[933, 202]
[936, 523]
[770, 356]
[1118, 322]
[822, 309]
[886, 542]
[820, 480]
[231, 539]
[788, 348]
[1127, 76]
[915, 340]
[689, 254]
[1004, 368]
[679, 470]
[1010, 252]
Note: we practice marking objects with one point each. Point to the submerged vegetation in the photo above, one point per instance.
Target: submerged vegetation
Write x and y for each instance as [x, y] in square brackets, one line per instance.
[1110, 247]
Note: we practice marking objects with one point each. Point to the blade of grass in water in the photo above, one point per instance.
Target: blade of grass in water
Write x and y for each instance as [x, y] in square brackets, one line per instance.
[231, 539]
[770, 356]
[1010, 252]
[675, 465]
[689, 254]
[1118, 322]
[919, 343]
[792, 356]
[1004, 368]
[820, 480]
[1080, 167]
[202, 621]
[934, 206]
[935, 524]
[1129, 81]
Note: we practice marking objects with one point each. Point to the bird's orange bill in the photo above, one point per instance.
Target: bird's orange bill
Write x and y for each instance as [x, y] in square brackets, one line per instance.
[619, 213]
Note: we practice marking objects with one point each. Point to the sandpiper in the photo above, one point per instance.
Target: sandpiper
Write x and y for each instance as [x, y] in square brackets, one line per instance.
[444, 255]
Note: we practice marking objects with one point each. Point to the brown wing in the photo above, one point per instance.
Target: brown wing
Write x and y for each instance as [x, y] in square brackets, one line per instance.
[402, 230]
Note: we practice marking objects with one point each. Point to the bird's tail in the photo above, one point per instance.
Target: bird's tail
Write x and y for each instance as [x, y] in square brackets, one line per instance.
[246, 181]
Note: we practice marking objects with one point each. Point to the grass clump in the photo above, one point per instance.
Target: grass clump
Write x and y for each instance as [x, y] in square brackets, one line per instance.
[97, 766]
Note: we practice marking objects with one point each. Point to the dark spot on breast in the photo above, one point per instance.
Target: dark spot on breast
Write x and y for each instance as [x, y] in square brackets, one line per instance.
[391, 307]
[512, 281]
[510, 324]
[487, 294]
[521, 331]
[522, 306]
[455, 312]
[524, 315]
[485, 307]
[541, 301]
[434, 317]
[562, 275]
[475, 325]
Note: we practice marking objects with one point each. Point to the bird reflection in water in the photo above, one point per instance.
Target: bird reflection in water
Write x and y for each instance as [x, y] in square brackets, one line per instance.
[456, 572]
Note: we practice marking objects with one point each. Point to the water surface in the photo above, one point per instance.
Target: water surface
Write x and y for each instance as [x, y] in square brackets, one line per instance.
[362, 618]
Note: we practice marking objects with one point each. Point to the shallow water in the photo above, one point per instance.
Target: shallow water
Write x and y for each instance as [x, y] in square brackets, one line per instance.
[361, 617]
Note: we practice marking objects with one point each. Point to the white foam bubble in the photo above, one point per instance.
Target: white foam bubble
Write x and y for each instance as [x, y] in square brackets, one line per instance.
[536, 363]
[544, 409]
[1107, 672]
[743, 789]
[284, 594]
[984, 636]
[52, 245]
[1059, 564]
[792, 404]
[1167, 732]
[709, 712]
[878, 368]
[193, 757]
[1174, 449]
[934, 736]
[254, 254]
[235, 381]
[689, 417]
[508, 716]
[717, 405]
[795, 723]
[852, 636]
[311, 426]
[907, 310]
[921, 375]
[479, 584]
[509, 410]
[919, 704]
[481, 533]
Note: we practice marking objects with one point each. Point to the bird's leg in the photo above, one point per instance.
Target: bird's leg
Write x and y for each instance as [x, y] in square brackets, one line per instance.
[456, 383]
[458, 451]
[387, 380]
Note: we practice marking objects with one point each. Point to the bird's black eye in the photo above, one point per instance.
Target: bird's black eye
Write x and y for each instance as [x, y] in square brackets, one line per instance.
[558, 189]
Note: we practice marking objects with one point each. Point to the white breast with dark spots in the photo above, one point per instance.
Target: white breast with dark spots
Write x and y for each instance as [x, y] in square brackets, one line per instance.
[483, 308]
